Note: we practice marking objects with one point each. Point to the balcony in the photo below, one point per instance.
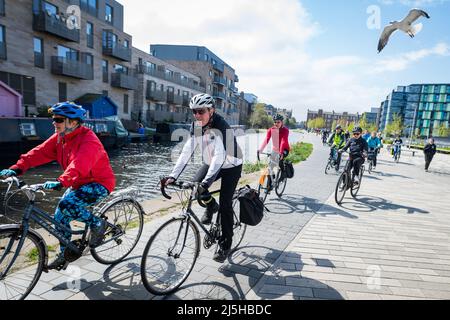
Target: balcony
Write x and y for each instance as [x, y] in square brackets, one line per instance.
[3, 50]
[124, 81]
[185, 102]
[174, 98]
[219, 67]
[219, 95]
[236, 78]
[233, 100]
[156, 95]
[117, 51]
[71, 68]
[219, 80]
[55, 25]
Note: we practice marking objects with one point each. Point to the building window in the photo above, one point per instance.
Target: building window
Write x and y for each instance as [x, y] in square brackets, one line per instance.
[125, 103]
[109, 14]
[62, 91]
[90, 6]
[89, 60]
[2, 43]
[90, 34]
[126, 43]
[50, 8]
[24, 85]
[68, 53]
[105, 68]
[2, 7]
[118, 68]
[38, 52]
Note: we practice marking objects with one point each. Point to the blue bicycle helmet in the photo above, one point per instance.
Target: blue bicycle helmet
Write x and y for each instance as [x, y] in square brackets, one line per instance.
[69, 110]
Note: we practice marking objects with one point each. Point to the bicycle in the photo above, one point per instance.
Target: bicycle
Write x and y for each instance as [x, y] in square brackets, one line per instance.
[272, 176]
[332, 162]
[172, 251]
[24, 252]
[346, 182]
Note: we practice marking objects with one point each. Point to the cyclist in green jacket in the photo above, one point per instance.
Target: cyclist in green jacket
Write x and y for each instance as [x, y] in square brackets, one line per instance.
[337, 141]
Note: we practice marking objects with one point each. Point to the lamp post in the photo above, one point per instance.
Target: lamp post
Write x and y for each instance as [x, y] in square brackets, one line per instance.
[413, 125]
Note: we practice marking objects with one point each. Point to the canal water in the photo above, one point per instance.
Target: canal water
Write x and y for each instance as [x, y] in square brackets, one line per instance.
[139, 165]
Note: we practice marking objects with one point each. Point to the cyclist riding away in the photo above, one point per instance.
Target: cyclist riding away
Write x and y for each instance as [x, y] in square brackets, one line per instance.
[358, 152]
[337, 141]
[87, 172]
[374, 146]
[324, 136]
[222, 159]
[280, 139]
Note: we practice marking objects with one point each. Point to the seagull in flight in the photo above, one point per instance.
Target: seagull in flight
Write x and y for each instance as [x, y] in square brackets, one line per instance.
[406, 25]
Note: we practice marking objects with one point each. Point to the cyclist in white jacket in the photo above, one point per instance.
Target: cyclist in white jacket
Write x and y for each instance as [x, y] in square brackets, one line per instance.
[222, 159]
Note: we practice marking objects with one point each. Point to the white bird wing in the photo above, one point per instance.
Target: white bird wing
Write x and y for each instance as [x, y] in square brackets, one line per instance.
[415, 14]
[387, 32]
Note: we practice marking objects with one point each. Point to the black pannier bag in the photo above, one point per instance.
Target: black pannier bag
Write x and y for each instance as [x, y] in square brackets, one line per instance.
[251, 206]
[289, 169]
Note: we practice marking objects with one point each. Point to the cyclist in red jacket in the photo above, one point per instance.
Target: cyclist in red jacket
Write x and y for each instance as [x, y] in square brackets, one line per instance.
[87, 172]
[280, 138]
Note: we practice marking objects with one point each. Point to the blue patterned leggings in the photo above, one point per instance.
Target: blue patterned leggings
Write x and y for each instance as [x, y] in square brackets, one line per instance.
[73, 207]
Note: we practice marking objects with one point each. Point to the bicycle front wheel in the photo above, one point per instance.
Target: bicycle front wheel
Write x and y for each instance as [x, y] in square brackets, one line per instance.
[263, 189]
[280, 184]
[341, 188]
[19, 275]
[355, 188]
[328, 167]
[170, 256]
[127, 220]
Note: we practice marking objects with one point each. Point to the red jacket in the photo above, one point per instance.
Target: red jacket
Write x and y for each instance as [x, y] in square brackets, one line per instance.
[80, 154]
[280, 139]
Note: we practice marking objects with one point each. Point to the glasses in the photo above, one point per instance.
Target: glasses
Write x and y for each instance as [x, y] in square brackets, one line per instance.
[59, 120]
[357, 134]
[199, 111]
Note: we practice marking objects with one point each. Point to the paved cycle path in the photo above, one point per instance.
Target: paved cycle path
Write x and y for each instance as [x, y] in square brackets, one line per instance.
[261, 248]
[392, 243]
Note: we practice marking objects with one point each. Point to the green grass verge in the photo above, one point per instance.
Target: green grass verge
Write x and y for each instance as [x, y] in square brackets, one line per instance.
[299, 152]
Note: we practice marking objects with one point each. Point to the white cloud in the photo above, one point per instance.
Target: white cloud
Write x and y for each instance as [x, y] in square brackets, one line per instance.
[403, 61]
[266, 42]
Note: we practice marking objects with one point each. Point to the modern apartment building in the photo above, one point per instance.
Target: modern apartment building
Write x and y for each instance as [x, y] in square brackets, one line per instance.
[330, 117]
[216, 76]
[372, 116]
[163, 91]
[52, 51]
[424, 108]
[58, 50]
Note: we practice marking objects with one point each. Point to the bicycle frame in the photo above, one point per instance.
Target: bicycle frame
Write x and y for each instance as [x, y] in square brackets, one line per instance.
[272, 169]
[44, 219]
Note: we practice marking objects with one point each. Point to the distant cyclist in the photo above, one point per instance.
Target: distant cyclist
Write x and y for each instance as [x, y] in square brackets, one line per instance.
[87, 172]
[324, 136]
[358, 152]
[374, 144]
[280, 139]
[337, 141]
[397, 147]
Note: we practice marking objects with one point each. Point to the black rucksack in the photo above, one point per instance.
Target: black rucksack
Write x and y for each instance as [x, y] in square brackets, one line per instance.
[289, 169]
[251, 206]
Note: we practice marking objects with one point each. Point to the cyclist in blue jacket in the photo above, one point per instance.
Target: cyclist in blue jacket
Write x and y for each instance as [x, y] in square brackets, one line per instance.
[374, 145]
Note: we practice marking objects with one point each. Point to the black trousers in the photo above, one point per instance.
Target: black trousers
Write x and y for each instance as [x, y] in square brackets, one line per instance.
[356, 164]
[339, 156]
[428, 159]
[230, 179]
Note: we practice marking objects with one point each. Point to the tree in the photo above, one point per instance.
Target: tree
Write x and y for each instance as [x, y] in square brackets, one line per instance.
[259, 118]
[363, 122]
[395, 128]
[443, 131]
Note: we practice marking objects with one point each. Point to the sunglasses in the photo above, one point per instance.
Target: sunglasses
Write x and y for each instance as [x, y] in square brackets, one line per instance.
[59, 120]
[199, 111]
[357, 134]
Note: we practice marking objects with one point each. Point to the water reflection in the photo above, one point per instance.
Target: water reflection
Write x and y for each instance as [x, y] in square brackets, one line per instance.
[138, 165]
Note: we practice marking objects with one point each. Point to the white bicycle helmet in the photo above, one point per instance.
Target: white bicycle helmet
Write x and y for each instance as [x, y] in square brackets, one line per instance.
[201, 101]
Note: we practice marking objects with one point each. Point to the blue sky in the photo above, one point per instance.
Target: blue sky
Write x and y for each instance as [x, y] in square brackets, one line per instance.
[304, 54]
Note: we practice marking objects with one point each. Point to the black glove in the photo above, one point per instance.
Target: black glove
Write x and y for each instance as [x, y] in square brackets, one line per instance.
[202, 189]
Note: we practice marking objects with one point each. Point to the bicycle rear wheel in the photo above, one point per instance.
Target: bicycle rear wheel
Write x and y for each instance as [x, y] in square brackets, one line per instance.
[341, 188]
[281, 182]
[25, 271]
[328, 167]
[127, 216]
[238, 227]
[170, 256]
[355, 188]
